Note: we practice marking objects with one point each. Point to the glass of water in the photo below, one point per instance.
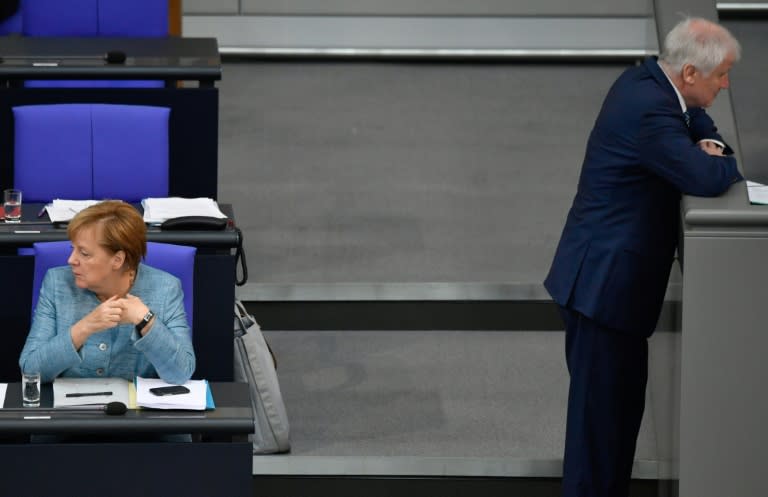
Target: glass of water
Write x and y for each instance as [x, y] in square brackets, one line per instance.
[30, 389]
[12, 205]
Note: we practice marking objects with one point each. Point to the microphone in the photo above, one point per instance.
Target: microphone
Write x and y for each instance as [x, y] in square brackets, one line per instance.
[111, 57]
[111, 409]
[115, 57]
[115, 409]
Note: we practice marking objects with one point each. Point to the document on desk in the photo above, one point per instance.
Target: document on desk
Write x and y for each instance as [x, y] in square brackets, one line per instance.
[758, 193]
[3, 389]
[75, 392]
[61, 211]
[197, 399]
[158, 210]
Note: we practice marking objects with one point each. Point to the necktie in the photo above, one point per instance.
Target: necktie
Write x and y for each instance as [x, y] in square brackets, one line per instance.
[687, 118]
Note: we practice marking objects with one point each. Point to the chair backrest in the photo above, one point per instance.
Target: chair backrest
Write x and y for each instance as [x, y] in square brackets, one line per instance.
[92, 151]
[60, 169]
[10, 19]
[60, 18]
[178, 260]
[134, 18]
[130, 151]
[145, 18]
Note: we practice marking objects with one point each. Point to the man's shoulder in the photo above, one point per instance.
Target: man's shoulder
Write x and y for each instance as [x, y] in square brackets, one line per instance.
[639, 86]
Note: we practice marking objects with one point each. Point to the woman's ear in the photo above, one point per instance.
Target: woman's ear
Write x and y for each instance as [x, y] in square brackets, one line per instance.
[118, 259]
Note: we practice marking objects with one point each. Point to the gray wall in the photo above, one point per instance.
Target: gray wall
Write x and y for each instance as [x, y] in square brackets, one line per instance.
[403, 27]
[421, 7]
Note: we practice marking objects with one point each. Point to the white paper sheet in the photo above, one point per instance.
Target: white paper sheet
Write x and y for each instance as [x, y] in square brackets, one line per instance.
[758, 193]
[63, 386]
[3, 389]
[194, 400]
[157, 210]
[64, 210]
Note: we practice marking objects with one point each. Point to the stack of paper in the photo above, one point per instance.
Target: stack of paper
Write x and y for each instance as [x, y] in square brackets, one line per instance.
[64, 210]
[196, 399]
[758, 193]
[158, 210]
[69, 392]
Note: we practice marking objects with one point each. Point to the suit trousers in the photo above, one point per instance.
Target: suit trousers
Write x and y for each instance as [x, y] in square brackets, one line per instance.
[609, 371]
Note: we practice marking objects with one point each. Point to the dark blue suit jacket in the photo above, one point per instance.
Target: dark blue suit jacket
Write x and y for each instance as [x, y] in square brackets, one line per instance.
[616, 251]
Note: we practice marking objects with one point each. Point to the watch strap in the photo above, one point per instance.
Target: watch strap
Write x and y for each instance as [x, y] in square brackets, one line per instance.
[144, 321]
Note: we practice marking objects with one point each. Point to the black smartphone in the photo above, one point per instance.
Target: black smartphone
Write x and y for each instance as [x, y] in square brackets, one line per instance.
[170, 390]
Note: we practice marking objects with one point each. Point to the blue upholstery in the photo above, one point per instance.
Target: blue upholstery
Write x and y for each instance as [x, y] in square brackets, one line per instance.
[60, 18]
[92, 151]
[179, 260]
[98, 83]
[12, 24]
[133, 18]
[130, 151]
[62, 168]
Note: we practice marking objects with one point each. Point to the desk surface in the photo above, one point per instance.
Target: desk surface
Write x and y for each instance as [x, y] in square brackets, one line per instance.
[33, 229]
[146, 58]
[232, 416]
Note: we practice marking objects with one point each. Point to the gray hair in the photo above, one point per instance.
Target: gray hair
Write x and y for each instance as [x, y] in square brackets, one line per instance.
[701, 43]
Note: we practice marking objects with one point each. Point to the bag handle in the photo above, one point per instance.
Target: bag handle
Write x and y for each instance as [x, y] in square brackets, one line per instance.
[245, 321]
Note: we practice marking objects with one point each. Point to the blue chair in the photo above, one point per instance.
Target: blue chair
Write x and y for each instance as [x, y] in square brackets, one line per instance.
[60, 169]
[179, 260]
[92, 151]
[12, 24]
[116, 18]
[143, 18]
[130, 151]
[60, 18]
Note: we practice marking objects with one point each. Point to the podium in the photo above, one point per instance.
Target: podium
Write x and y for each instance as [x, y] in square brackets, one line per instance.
[723, 406]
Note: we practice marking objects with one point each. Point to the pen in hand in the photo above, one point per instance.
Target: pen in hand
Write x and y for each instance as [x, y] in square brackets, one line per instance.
[88, 394]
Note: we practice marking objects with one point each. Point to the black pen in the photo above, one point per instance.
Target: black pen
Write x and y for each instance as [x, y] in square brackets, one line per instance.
[88, 394]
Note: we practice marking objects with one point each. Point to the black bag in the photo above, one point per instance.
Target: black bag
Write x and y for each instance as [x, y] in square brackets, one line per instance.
[255, 365]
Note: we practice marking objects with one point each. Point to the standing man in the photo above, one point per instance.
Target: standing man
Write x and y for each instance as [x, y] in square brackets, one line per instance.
[651, 142]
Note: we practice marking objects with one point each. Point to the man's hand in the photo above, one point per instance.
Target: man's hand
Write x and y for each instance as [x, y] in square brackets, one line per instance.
[711, 148]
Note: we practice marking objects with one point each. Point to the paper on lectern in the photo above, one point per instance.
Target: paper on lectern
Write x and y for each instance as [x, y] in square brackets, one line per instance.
[158, 210]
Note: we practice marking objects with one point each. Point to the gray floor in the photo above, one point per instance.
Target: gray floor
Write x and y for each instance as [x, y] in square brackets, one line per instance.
[387, 172]
[464, 403]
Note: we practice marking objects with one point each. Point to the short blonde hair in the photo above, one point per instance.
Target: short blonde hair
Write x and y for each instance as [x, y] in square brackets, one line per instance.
[121, 228]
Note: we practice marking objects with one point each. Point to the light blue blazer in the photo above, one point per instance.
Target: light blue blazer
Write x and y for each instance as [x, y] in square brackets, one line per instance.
[165, 351]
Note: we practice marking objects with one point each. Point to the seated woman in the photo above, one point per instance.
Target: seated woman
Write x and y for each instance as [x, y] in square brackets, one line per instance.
[108, 314]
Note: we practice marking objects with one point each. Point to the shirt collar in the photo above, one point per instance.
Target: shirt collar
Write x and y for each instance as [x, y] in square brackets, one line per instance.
[677, 92]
